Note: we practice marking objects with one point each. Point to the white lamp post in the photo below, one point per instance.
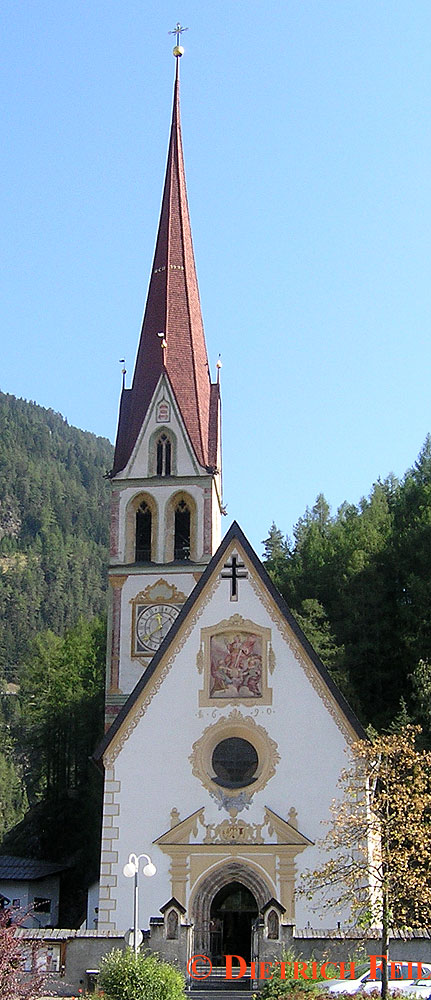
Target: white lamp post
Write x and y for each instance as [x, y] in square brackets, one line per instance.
[131, 870]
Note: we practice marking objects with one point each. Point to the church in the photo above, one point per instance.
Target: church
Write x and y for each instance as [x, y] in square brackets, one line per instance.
[225, 734]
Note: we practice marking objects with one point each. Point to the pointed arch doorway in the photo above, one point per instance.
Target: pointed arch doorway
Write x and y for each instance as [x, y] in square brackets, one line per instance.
[232, 914]
[208, 900]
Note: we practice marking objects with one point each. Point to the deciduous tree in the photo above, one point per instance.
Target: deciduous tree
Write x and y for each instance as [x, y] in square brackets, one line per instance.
[379, 839]
[14, 983]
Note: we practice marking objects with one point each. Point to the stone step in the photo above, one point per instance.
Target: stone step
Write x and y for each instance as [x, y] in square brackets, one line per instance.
[220, 990]
[218, 987]
[216, 983]
[215, 993]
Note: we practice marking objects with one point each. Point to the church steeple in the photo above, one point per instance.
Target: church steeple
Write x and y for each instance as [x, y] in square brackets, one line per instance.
[172, 337]
[166, 481]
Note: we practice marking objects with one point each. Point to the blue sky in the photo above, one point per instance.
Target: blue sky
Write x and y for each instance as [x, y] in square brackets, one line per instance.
[307, 146]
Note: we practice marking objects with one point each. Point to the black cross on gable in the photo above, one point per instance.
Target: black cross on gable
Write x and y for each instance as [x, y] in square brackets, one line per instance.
[234, 574]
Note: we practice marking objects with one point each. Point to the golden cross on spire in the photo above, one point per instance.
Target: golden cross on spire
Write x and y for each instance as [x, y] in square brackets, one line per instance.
[178, 30]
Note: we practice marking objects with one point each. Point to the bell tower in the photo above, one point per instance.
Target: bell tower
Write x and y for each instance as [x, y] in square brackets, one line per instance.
[166, 477]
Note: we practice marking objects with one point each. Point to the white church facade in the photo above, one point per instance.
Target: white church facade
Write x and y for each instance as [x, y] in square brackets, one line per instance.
[225, 734]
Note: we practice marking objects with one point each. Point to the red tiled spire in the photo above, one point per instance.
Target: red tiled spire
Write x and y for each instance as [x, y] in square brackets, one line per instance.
[173, 308]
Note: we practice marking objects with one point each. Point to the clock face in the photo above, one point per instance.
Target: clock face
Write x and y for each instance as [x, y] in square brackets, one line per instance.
[152, 624]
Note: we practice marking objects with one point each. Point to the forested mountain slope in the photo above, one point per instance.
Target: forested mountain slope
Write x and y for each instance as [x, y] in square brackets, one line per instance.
[54, 514]
[53, 525]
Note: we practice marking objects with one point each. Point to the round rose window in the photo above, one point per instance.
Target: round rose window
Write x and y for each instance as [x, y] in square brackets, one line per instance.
[235, 762]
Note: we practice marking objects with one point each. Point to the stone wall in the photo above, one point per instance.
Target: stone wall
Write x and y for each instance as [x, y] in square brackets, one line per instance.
[342, 946]
[82, 951]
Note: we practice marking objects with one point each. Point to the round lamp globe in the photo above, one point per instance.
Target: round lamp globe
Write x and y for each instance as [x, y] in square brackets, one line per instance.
[129, 870]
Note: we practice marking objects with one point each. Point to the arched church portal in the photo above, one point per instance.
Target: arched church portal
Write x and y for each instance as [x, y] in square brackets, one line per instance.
[233, 911]
[225, 906]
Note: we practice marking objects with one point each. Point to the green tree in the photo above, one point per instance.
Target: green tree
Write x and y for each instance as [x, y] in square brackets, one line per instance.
[313, 620]
[360, 567]
[276, 546]
[61, 723]
[62, 699]
[421, 698]
[13, 798]
[276, 551]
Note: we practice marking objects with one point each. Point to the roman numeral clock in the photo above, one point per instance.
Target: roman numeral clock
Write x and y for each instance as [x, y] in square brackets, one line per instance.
[152, 625]
[154, 611]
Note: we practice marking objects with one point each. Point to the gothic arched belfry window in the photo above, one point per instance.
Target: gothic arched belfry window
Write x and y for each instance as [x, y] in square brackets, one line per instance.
[143, 533]
[164, 456]
[182, 531]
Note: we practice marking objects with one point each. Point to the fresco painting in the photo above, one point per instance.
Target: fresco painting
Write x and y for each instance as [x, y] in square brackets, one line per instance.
[236, 665]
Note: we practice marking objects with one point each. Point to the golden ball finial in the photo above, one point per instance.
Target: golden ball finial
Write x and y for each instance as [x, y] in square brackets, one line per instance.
[177, 51]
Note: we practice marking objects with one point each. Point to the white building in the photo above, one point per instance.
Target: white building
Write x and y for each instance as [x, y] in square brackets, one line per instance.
[227, 735]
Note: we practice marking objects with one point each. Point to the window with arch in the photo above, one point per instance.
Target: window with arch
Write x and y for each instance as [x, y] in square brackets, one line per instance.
[143, 533]
[163, 456]
[182, 531]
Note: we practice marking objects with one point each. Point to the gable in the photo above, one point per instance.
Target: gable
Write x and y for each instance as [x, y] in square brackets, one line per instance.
[212, 613]
[163, 416]
[237, 735]
[279, 829]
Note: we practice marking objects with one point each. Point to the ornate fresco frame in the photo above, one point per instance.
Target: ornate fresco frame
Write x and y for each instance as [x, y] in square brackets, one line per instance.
[245, 727]
[233, 625]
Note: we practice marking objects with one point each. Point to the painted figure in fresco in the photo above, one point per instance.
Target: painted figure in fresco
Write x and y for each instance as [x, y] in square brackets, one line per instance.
[172, 925]
[236, 665]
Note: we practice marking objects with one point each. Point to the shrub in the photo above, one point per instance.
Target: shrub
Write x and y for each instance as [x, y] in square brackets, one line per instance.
[278, 987]
[144, 977]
